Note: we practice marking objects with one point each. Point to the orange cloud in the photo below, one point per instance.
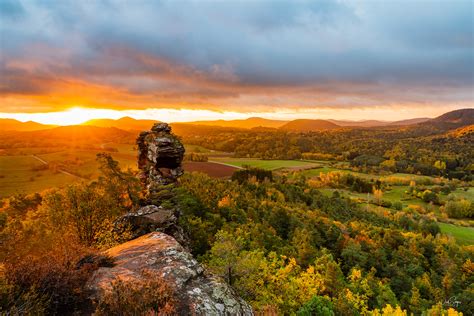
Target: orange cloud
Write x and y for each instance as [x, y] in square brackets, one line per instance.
[123, 79]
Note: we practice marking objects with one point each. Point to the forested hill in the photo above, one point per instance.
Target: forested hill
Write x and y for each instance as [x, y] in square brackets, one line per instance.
[308, 125]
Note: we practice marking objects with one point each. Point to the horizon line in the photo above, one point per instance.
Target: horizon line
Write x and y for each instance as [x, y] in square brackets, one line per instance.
[80, 115]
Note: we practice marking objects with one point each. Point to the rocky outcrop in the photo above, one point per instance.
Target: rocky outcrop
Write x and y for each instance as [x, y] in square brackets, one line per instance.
[160, 253]
[152, 218]
[160, 154]
[196, 292]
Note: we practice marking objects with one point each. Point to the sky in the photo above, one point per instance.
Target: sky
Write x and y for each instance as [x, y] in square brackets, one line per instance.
[185, 60]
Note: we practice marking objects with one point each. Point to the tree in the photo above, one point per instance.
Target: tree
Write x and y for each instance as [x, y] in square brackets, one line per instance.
[440, 165]
[318, 305]
[87, 211]
[124, 187]
[429, 196]
[378, 194]
[305, 251]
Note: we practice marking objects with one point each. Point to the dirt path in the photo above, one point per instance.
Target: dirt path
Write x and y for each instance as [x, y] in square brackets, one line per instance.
[62, 171]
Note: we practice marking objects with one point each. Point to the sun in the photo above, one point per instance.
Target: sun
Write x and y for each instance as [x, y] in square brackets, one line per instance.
[73, 116]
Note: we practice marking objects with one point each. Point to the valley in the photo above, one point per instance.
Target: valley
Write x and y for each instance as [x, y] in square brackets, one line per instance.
[250, 197]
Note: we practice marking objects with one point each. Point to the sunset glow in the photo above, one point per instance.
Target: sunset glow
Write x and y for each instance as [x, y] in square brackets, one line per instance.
[79, 115]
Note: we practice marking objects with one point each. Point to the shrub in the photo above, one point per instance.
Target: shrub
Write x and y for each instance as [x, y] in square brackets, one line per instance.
[386, 204]
[460, 208]
[367, 160]
[148, 296]
[14, 301]
[246, 174]
[197, 157]
[50, 283]
[397, 205]
[430, 196]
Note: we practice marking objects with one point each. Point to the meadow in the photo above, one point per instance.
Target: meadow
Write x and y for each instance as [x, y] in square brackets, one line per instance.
[265, 164]
[25, 174]
[463, 235]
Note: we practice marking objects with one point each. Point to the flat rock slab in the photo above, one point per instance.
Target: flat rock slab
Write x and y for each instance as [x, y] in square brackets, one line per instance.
[197, 293]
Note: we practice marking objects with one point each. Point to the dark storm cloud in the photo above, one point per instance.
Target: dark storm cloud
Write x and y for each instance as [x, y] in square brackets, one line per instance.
[377, 51]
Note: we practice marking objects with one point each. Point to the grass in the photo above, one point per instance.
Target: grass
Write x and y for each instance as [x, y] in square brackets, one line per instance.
[198, 149]
[461, 193]
[265, 164]
[17, 176]
[463, 235]
[362, 197]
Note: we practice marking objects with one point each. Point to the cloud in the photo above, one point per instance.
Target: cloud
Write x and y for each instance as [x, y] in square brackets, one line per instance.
[239, 55]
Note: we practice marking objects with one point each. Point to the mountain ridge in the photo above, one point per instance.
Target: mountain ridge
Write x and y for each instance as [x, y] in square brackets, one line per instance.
[7, 124]
[452, 119]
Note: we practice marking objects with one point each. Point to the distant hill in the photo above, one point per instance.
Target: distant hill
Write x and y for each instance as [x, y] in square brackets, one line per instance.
[187, 129]
[85, 134]
[367, 123]
[251, 122]
[75, 136]
[412, 121]
[451, 120]
[125, 123]
[376, 123]
[304, 125]
[85, 130]
[14, 125]
[462, 117]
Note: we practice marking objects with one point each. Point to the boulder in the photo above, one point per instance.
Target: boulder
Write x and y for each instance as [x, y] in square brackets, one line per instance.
[195, 291]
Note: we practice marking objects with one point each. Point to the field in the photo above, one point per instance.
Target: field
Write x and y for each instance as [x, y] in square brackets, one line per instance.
[266, 164]
[327, 167]
[23, 174]
[215, 170]
[27, 173]
[203, 150]
[463, 235]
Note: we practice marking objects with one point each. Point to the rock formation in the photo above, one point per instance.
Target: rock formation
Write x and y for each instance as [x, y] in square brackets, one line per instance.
[160, 154]
[153, 218]
[196, 292]
[160, 251]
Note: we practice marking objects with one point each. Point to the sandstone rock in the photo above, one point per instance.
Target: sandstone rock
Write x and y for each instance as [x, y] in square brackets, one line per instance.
[160, 156]
[152, 218]
[197, 293]
[147, 219]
